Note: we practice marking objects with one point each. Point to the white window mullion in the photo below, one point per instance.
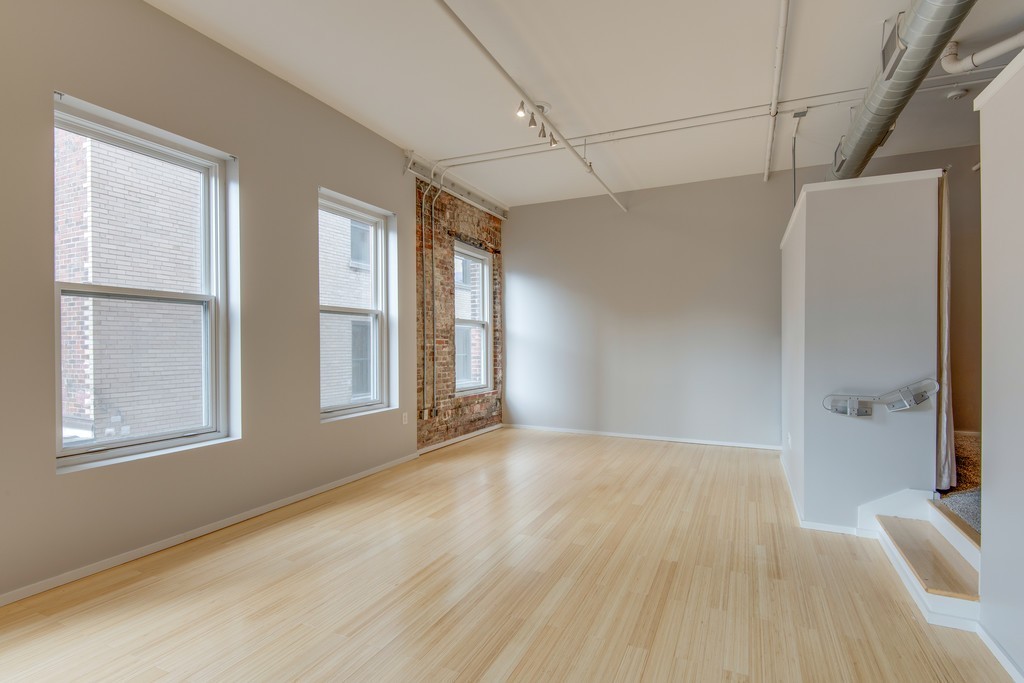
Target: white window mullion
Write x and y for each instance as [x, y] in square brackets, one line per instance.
[348, 310]
[82, 289]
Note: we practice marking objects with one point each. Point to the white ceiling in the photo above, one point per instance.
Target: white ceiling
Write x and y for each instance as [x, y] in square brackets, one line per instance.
[403, 69]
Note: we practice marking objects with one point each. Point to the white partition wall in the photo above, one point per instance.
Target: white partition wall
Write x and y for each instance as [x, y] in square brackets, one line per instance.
[1002, 365]
[859, 316]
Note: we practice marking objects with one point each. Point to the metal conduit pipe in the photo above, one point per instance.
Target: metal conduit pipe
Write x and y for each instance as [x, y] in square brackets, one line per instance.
[926, 29]
[686, 123]
[433, 300]
[423, 286]
[953, 63]
[525, 97]
[423, 279]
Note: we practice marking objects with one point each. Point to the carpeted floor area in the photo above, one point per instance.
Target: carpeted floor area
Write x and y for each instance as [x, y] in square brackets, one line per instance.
[966, 505]
[965, 498]
[968, 462]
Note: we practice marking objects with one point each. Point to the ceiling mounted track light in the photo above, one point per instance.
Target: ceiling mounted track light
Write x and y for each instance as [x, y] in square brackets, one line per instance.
[521, 112]
[533, 120]
[552, 142]
[543, 133]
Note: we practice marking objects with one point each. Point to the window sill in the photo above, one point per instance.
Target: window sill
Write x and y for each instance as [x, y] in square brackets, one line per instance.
[474, 391]
[88, 461]
[371, 410]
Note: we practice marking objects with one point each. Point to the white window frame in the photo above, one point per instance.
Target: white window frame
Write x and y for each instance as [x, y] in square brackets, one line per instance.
[486, 324]
[377, 219]
[99, 124]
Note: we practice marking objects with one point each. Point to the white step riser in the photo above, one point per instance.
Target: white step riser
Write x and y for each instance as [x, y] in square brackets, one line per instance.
[956, 538]
[913, 504]
[937, 609]
[908, 503]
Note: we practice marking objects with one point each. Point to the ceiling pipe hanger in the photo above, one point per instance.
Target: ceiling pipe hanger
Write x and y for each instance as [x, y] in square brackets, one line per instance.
[953, 63]
[525, 97]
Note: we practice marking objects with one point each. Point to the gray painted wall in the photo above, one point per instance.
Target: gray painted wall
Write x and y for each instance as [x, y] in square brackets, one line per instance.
[870, 316]
[1002, 549]
[128, 57]
[665, 321]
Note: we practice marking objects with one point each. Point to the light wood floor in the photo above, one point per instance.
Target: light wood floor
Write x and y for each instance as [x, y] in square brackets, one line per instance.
[516, 555]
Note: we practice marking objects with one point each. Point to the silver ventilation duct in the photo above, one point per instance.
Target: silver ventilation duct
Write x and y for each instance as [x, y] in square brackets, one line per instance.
[924, 32]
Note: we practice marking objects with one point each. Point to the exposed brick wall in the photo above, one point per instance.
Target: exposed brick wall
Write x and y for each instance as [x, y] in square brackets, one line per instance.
[455, 220]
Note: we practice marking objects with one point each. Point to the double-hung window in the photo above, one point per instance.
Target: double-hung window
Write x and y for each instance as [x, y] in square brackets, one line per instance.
[139, 242]
[472, 275]
[353, 324]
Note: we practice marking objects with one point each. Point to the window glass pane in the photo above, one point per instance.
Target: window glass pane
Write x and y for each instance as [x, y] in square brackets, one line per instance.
[347, 358]
[345, 281]
[460, 272]
[124, 218]
[469, 299]
[470, 357]
[361, 358]
[131, 369]
[360, 233]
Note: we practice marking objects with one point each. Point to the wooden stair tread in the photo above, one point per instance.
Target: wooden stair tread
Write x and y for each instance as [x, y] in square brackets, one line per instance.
[934, 561]
[963, 527]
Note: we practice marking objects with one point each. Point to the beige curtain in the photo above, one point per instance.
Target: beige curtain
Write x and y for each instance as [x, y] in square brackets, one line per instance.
[945, 470]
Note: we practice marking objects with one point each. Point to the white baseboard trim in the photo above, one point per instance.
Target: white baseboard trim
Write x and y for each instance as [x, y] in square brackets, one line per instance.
[813, 526]
[96, 567]
[1016, 673]
[936, 609]
[644, 437]
[831, 528]
[449, 442]
[792, 493]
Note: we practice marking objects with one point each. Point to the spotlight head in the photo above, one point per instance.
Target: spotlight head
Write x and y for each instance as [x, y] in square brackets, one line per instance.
[552, 142]
[521, 112]
[533, 120]
[543, 133]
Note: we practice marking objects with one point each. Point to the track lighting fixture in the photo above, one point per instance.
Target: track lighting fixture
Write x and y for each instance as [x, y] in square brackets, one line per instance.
[541, 108]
